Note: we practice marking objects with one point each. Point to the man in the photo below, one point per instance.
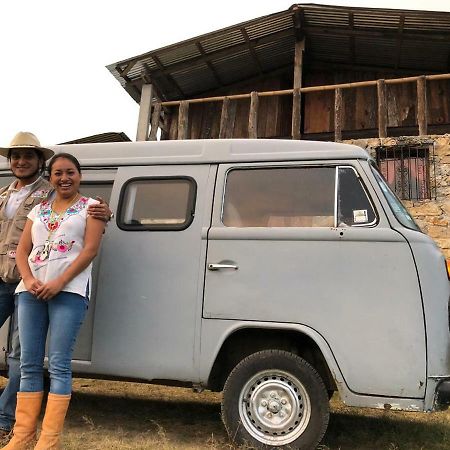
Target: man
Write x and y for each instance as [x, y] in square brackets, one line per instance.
[27, 162]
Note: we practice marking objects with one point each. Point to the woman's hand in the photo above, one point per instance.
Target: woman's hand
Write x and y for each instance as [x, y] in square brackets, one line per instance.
[48, 290]
[32, 285]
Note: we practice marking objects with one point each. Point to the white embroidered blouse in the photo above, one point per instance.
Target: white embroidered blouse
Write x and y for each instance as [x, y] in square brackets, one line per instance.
[57, 241]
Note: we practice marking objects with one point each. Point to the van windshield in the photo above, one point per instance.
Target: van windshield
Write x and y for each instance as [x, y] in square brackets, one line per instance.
[400, 212]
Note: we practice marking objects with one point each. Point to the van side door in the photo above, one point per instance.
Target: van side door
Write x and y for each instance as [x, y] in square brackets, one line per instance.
[308, 243]
[150, 281]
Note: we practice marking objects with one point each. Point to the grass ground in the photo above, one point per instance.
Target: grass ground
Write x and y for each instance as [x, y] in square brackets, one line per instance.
[119, 416]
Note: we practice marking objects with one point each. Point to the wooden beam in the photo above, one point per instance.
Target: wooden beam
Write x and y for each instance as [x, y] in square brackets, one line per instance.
[252, 50]
[146, 78]
[224, 118]
[328, 87]
[210, 65]
[202, 59]
[253, 116]
[401, 25]
[351, 24]
[296, 114]
[244, 83]
[418, 36]
[128, 67]
[165, 125]
[422, 106]
[298, 19]
[167, 75]
[133, 91]
[297, 96]
[183, 117]
[298, 63]
[338, 115]
[155, 121]
[318, 64]
[144, 112]
[382, 109]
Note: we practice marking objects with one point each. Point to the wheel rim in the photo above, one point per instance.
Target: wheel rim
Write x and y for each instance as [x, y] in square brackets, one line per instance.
[274, 407]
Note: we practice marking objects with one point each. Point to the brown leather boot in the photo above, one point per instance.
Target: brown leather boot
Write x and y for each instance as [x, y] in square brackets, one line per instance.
[27, 413]
[52, 425]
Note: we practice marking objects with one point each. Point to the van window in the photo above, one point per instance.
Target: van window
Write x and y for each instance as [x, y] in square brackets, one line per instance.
[157, 204]
[400, 212]
[96, 189]
[354, 206]
[280, 197]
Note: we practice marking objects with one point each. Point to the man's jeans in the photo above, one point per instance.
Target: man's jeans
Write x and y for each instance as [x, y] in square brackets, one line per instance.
[61, 317]
[9, 395]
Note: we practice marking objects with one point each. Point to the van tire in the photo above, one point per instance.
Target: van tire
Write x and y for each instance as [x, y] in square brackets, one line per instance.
[287, 403]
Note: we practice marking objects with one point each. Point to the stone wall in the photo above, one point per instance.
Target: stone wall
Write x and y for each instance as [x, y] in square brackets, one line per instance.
[433, 216]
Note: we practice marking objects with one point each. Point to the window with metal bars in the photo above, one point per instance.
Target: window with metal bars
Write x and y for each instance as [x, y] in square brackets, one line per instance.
[406, 168]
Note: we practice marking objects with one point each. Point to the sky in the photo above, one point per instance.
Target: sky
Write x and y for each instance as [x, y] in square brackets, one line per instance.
[53, 53]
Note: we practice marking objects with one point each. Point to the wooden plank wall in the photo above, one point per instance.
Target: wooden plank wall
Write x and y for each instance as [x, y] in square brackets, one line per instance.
[273, 115]
[359, 108]
[360, 105]
[438, 94]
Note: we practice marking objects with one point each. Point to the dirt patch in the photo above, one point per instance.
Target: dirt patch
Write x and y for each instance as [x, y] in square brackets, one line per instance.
[116, 415]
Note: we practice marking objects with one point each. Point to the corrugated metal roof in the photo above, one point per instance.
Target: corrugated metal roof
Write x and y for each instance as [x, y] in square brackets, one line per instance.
[376, 38]
[103, 137]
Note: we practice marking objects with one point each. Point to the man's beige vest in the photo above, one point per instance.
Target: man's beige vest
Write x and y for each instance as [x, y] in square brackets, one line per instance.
[11, 229]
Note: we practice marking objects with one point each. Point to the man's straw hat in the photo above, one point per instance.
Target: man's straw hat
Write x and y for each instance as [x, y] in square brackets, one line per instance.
[25, 139]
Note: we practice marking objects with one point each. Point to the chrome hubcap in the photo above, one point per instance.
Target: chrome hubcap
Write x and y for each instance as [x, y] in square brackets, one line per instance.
[274, 407]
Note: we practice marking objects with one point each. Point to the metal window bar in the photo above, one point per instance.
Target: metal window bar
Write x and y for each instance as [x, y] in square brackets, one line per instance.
[407, 169]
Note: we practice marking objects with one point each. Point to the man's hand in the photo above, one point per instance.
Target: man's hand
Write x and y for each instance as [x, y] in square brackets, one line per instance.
[100, 210]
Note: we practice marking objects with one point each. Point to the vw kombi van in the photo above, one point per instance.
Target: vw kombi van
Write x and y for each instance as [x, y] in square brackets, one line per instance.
[275, 271]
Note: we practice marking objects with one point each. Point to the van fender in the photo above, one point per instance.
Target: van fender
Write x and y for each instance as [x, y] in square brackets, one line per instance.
[216, 332]
[219, 331]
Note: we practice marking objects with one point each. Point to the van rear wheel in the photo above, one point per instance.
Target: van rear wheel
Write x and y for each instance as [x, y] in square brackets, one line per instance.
[274, 398]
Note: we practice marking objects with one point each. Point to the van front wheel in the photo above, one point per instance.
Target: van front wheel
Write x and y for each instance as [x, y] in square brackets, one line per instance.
[274, 398]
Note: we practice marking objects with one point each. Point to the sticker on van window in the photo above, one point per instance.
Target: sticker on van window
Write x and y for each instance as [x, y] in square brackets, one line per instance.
[360, 216]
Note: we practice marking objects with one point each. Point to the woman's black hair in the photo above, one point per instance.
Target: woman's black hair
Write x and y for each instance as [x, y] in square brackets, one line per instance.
[40, 156]
[68, 156]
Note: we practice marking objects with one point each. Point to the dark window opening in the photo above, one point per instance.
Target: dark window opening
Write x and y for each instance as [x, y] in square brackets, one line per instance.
[157, 204]
[406, 169]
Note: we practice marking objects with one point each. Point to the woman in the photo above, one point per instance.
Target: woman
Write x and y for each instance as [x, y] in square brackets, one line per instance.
[54, 258]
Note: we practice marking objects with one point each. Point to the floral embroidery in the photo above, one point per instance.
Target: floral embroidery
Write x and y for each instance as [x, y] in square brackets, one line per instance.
[57, 246]
[62, 246]
[36, 259]
[45, 213]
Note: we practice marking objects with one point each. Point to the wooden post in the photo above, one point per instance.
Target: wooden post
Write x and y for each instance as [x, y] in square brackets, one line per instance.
[145, 108]
[183, 115]
[298, 63]
[224, 118]
[296, 113]
[253, 116]
[166, 120]
[338, 114]
[422, 107]
[296, 97]
[382, 109]
[155, 121]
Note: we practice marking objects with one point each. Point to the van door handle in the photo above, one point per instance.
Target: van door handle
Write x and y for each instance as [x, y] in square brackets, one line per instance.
[222, 266]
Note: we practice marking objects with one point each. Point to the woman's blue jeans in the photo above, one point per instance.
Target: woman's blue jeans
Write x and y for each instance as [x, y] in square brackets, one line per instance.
[61, 317]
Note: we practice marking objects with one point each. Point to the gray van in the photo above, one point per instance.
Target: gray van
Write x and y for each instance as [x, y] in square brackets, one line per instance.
[275, 271]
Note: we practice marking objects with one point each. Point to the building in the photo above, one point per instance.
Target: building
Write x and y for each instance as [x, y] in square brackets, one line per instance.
[379, 78]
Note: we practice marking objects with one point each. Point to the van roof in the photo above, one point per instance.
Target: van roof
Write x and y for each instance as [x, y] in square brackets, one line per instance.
[204, 151]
